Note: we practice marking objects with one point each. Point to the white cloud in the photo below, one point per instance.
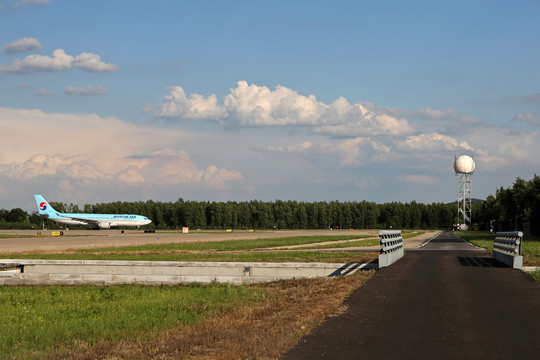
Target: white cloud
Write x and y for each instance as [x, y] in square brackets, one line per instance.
[58, 61]
[194, 107]
[256, 106]
[22, 45]
[252, 105]
[92, 63]
[87, 90]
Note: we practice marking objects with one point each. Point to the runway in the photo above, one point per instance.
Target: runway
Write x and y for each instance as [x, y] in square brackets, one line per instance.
[84, 239]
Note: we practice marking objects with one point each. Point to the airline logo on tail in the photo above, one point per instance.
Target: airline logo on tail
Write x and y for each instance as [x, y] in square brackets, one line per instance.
[43, 206]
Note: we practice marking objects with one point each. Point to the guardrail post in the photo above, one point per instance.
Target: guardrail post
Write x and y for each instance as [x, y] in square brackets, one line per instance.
[391, 247]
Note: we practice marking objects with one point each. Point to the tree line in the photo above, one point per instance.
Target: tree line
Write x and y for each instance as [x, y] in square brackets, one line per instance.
[508, 207]
[512, 208]
[258, 214]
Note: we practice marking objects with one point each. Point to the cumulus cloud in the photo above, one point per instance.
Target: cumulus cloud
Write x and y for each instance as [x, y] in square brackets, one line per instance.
[89, 153]
[252, 105]
[257, 106]
[194, 107]
[58, 61]
[87, 90]
[217, 178]
[92, 63]
[22, 45]
[65, 166]
[170, 166]
[161, 168]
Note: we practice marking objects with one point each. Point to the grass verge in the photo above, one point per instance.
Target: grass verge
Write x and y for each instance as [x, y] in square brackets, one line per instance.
[230, 245]
[187, 322]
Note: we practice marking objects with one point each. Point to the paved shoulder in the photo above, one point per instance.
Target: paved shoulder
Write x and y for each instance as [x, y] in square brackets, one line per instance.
[434, 304]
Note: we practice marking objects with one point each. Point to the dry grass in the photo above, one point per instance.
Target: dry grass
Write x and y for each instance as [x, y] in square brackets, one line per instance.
[262, 331]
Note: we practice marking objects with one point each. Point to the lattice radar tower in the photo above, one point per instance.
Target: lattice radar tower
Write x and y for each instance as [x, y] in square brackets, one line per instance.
[464, 168]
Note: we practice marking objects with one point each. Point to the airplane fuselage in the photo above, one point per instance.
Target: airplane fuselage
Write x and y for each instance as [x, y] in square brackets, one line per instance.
[103, 221]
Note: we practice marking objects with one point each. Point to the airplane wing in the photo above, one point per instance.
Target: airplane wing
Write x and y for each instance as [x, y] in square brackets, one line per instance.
[84, 220]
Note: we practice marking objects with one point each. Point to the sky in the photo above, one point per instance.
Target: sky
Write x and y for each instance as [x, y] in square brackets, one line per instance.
[105, 101]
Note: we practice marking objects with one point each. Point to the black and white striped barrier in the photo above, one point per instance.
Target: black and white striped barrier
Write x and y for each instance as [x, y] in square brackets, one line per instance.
[391, 247]
[507, 248]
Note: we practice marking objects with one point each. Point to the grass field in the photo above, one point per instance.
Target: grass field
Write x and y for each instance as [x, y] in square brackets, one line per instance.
[61, 322]
[192, 321]
[33, 319]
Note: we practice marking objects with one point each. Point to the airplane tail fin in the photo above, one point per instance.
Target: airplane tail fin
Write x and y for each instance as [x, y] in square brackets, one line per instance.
[44, 208]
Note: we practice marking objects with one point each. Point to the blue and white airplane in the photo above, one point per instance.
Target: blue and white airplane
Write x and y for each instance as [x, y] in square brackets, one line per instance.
[102, 221]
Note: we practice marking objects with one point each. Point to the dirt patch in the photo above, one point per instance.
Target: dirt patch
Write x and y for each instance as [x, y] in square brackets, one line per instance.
[262, 331]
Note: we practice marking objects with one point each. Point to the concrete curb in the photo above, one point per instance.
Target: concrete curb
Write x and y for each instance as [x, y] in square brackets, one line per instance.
[104, 272]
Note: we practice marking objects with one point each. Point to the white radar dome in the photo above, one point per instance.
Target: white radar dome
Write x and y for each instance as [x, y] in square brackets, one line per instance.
[464, 165]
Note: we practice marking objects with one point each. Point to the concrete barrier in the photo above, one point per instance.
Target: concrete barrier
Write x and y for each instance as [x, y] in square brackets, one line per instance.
[507, 248]
[391, 247]
[105, 272]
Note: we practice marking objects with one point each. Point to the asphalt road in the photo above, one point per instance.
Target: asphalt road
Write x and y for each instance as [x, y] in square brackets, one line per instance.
[446, 300]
